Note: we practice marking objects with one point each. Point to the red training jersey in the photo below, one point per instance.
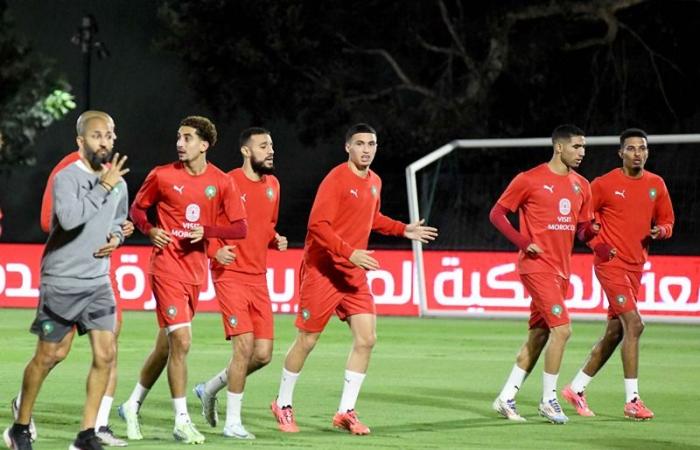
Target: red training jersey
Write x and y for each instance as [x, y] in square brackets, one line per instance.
[345, 211]
[47, 198]
[626, 209]
[550, 207]
[184, 202]
[261, 200]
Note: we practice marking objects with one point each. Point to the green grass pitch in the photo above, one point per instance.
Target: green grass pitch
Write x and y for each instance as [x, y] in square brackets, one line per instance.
[430, 385]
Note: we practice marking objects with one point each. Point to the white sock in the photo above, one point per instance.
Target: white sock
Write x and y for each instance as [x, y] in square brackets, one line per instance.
[181, 414]
[19, 397]
[138, 395]
[513, 383]
[217, 383]
[549, 386]
[580, 382]
[631, 389]
[351, 389]
[289, 379]
[103, 412]
[233, 408]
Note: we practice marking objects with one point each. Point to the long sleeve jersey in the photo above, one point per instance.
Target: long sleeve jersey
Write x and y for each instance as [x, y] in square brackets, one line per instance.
[346, 209]
[47, 197]
[184, 202]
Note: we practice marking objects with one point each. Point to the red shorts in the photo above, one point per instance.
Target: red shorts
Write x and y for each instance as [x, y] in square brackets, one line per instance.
[621, 287]
[117, 296]
[245, 308]
[548, 291]
[319, 298]
[176, 302]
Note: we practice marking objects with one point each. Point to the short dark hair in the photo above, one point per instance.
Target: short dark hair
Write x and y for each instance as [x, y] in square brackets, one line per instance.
[248, 132]
[632, 132]
[566, 132]
[204, 127]
[359, 128]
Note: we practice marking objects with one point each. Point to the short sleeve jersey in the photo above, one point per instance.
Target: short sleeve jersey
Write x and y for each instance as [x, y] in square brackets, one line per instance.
[261, 200]
[550, 206]
[184, 202]
[626, 209]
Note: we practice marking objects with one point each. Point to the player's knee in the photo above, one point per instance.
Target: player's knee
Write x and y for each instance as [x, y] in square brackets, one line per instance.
[366, 342]
[636, 328]
[47, 359]
[308, 341]
[180, 342]
[61, 353]
[537, 338]
[561, 333]
[262, 357]
[614, 336]
[243, 348]
[104, 357]
[641, 327]
[566, 334]
[49, 356]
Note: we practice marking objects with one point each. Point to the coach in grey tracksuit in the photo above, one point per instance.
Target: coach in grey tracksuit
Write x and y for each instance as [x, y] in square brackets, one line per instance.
[90, 204]
[84, 214]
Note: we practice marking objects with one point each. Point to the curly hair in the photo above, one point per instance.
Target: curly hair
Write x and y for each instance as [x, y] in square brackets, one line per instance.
[204, 127]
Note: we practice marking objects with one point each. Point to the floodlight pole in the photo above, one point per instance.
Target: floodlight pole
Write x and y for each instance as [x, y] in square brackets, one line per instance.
[85, 37]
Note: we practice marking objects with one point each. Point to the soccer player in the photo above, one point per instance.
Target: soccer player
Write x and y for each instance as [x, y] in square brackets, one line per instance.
[103, 431]
[189, 196]
[333, 278]
[90, 204]
[238, 270]
[554, 204]
[634, 207]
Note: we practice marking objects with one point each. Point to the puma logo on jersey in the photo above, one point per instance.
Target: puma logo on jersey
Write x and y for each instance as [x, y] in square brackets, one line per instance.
[354, 192]
[243, 197]
[620, 193]
[550, 188]
[179, 188]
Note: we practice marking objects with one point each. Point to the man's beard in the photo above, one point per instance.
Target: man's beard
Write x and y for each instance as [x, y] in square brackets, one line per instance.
[96, 161]
[260, 168]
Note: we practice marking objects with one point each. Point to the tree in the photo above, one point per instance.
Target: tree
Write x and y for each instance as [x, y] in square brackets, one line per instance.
[429, 72]
[32, 95]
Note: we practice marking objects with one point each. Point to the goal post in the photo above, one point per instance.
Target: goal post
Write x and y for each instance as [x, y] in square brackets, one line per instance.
[420, 294]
